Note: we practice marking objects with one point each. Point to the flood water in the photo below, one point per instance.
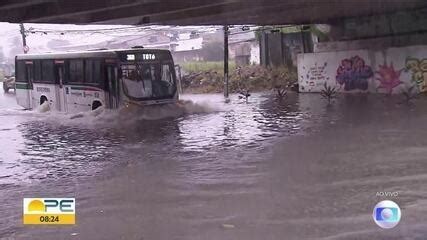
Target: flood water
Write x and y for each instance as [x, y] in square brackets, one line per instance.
[266, 169]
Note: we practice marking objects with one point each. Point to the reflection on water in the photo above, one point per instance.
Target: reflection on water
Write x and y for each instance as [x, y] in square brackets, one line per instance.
[296, 169]
[240, 124]
[58, 145]
[55, 151]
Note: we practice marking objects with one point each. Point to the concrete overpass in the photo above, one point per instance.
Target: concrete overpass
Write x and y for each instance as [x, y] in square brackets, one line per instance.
[398, 22]
[195, 12]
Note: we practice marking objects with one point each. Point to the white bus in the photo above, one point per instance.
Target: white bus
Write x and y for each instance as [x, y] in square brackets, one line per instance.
[84, 81]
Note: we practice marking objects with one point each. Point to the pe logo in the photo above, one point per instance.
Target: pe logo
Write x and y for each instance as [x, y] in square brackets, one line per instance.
[49, 211]
[387, 214]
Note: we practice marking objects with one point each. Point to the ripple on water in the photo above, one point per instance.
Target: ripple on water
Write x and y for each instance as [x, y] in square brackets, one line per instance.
[56, 146]
[55, 151]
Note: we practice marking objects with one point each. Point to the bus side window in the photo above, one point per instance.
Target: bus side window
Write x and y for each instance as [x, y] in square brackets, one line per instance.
[48, 71]
[29, 72]
[97, 71]
[37, 71]
[88, 71]
[93, 71]
[76, 71]
[21, 75]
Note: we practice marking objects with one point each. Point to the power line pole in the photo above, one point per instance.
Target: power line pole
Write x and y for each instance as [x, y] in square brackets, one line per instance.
[226, 61]
[24, 40]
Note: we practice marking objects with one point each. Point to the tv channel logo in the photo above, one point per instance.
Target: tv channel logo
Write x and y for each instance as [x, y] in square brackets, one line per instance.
[387, 214]
[49, 211]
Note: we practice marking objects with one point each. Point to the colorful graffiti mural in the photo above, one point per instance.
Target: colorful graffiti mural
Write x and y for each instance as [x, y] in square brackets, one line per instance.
[390, 70]
[354, 74]
[418, 70]
[388, 77]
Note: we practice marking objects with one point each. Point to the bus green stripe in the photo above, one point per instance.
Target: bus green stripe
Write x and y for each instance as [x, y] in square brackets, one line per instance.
[22, 86]
[84, 88]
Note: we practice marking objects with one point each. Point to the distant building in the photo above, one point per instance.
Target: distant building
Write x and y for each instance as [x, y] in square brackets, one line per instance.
[244, 48]
[184, 45]
[187, 48]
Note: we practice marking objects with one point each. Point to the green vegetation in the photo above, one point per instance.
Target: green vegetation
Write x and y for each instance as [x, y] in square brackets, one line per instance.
[241, 79]
[218, 66]
[409, 94]
[329, 93]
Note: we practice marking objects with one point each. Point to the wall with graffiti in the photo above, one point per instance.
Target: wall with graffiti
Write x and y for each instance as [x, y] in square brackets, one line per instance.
[388, 71]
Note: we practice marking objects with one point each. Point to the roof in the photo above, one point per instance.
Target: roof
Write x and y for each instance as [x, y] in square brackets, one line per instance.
[85, 54]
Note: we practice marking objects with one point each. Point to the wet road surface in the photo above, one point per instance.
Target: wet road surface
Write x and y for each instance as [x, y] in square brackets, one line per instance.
[296, 169]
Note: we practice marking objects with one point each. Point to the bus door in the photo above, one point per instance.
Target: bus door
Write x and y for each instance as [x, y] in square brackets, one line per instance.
[29, 75]
[61, 104]
[112, 86]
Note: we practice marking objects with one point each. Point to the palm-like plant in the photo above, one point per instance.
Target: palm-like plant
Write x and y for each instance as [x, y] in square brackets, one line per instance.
[329, 92]
[244, 94]
[281, 92]
[409, 94]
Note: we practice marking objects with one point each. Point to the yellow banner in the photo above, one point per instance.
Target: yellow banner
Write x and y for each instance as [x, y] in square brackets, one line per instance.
[49, 219]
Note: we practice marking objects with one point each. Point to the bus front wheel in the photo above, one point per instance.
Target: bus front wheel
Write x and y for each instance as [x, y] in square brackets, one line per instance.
[43, 99]
[96, 104]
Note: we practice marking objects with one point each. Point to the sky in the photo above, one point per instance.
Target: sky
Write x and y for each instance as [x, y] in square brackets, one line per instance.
[39, 36]
[37, 42]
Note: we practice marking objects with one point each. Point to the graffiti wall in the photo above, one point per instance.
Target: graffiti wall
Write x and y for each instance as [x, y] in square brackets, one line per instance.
[388, 71]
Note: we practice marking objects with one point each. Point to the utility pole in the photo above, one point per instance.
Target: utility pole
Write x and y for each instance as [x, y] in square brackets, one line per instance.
[24, 40]
[226, 61]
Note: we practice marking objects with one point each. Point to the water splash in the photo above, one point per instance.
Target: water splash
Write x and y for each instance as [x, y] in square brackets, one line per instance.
[44, 107]
[124, 115]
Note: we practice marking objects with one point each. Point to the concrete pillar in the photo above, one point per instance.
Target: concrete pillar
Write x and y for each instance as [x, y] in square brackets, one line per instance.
[263, 49]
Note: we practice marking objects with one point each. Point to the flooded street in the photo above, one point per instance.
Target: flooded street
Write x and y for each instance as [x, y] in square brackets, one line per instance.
[296, 169]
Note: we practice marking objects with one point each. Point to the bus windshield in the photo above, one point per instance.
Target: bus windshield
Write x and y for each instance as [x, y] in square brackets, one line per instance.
[148, 80]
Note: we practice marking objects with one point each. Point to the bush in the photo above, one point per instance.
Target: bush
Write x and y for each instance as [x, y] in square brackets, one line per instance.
[246, 78]
[195, 67]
